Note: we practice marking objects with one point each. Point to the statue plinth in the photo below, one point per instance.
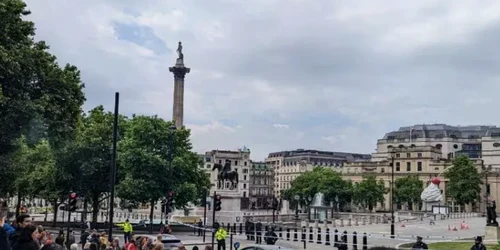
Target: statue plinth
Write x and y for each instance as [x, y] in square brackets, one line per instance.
[492, 235]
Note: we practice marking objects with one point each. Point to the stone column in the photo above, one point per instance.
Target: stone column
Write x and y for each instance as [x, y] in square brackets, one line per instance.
[179, 71]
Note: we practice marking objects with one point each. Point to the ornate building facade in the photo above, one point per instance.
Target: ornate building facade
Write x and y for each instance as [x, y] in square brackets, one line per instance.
[426, 162]
[288, 165]
[261, 185]
[476, 142]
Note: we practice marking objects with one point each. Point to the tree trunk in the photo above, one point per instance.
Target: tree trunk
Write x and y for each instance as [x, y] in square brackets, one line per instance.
[18, 204]
[56, 208]
[151, 216]
[95, 210]
[84, 213]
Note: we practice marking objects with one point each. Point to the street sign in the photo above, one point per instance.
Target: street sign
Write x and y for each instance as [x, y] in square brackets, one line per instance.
[236, 245]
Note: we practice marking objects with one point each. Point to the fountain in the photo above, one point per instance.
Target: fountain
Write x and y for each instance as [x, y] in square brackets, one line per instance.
[319, 208]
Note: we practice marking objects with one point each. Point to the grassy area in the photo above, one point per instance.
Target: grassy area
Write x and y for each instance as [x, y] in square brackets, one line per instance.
[452, 245]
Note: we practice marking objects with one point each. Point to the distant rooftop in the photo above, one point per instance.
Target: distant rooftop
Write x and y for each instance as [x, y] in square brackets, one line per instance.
[313, 152]
[437, 131]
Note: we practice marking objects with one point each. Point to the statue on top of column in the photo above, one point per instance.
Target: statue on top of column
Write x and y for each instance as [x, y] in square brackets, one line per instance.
[179, 51]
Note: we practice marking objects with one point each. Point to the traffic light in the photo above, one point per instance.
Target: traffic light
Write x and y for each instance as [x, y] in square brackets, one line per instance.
[72, 202]
[218, 203]
[169, 203]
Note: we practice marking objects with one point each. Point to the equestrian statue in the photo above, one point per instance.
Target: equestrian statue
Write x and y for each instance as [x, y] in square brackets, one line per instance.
[226, 174]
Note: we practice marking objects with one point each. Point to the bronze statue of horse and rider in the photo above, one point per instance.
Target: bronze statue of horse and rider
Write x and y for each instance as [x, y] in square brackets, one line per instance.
[226, 174]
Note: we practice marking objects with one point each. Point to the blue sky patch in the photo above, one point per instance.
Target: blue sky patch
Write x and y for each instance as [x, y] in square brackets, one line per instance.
[142, 36]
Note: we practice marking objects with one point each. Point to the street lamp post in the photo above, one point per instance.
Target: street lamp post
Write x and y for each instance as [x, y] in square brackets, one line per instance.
[392, 196]
[296, 198]
[337, 207]
[485, 171]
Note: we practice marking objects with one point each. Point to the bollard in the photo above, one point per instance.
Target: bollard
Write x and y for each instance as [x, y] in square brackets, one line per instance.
[354, 240]
[304, 244]
[303, 233]
[231, 242]
[234, 228]
[280, 233]
[295, 235]
[319, 236]
[311, 235]
[288, 234]
[345, 238]
[327, 237]
[336, 238]
[365, 242]
[349, 222]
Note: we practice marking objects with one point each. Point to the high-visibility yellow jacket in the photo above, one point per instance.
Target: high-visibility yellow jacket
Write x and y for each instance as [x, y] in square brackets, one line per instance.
[127, 227]
[221, 234]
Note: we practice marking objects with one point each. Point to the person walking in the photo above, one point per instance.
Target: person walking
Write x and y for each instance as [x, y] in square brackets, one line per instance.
[127, 230]
[221, 235]
[27, 239]
[200, 226]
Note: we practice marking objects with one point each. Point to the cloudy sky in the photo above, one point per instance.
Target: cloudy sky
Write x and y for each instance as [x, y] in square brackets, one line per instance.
[284, 74]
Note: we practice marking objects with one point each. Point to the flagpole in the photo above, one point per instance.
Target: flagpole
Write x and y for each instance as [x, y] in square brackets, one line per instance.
[410, 134]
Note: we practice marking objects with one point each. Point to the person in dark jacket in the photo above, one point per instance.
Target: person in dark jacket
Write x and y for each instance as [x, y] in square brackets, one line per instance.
[27, 239]
[4, 239]
[84, 237]
[22, 221]
[478, 245]
[419, 245]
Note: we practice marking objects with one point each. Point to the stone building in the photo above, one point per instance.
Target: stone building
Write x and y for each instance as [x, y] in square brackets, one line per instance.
[426, 162]
[241, 163]
[476, 142]
[288, 165]
[261, 185]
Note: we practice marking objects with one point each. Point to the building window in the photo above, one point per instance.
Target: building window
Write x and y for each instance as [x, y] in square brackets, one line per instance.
[397, 155]
[244, 186]
[382, 170]
[244, 177]
[408, 155]
[245, 171]
[398, 166]
[419, 166]
[244, 163]
[236, 163]
[244, 194]
[419, 155]
[408, 166]
[220, 161]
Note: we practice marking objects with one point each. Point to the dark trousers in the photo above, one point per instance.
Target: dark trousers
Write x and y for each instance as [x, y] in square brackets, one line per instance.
[126, 237]
[199, 231]
[259, 238]
[221, 244]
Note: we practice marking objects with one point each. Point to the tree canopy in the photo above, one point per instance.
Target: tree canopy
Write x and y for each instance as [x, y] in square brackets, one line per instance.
[408, 189]
[464, 181]
[39, 98]
[369, 192]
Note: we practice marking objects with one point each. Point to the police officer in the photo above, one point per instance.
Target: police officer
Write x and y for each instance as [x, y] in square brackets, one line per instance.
[419, 245]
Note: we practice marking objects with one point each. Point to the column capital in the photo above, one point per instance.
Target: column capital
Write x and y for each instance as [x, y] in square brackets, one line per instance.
[179, 72]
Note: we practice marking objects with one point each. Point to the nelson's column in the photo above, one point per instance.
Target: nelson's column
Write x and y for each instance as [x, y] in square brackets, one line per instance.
[180, 72]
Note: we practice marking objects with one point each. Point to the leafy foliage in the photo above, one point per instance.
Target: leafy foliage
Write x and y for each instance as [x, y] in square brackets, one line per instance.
[319, 180]
[408, 189]
[369, 192]
[39, 99]
[464, 184]
[149, 176]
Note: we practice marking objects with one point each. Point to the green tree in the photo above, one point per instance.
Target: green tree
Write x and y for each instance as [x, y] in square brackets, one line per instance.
[38, 97]
[464, 181]
[369, 192]
[90, 156]
[150, 172]
[336, 189]
[408, 190]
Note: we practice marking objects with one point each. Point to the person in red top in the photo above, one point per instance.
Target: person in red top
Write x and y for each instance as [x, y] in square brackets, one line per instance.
[130, 245]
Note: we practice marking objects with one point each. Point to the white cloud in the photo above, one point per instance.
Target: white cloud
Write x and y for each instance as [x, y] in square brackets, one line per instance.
[281, 126]
[277, 75]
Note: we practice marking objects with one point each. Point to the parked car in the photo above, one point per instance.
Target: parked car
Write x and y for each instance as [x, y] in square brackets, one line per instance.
[169, 241]
[265, 247]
